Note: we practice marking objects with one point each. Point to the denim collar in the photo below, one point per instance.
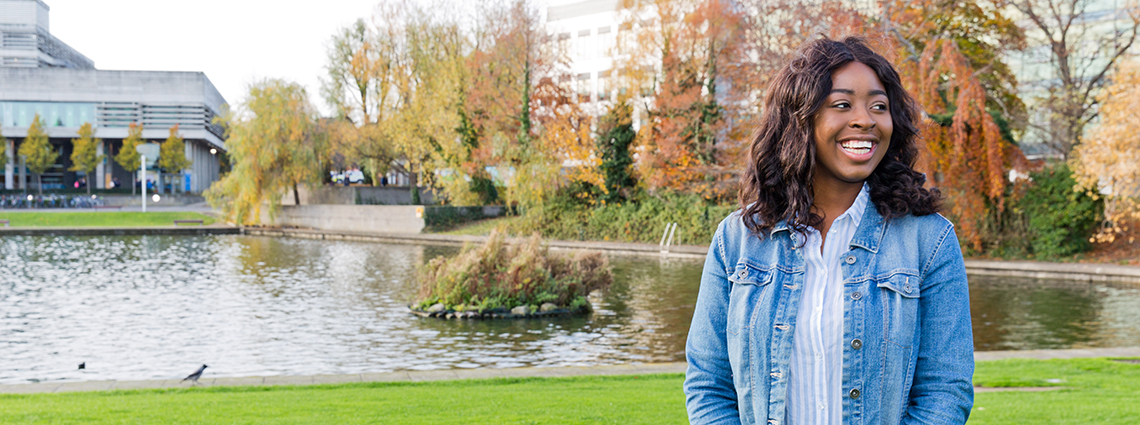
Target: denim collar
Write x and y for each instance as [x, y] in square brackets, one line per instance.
[868, 234]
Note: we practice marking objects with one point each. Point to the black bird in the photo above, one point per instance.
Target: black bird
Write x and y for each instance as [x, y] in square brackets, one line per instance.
[194, 376]
[83, 365]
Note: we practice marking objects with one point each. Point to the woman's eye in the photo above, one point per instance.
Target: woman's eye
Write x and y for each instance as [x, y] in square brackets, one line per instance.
[843, 105]
[879, 107]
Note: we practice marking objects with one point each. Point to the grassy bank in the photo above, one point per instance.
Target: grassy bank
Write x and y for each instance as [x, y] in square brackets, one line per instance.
[1095, 391]
[99, 219]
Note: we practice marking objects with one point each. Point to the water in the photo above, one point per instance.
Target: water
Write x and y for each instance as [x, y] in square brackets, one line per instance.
[157, 307]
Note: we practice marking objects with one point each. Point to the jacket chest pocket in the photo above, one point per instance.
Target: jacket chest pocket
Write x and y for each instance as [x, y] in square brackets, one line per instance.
[748, 287]
[900, 295]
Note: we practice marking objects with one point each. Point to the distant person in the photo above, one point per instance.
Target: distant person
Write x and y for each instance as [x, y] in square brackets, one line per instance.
[836, 294]
[383, 181]
[115, 183]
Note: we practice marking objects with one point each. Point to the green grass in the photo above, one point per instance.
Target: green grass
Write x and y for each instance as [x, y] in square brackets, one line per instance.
[650, 399]
[478, 228]
[99, 219]
[1096, 391]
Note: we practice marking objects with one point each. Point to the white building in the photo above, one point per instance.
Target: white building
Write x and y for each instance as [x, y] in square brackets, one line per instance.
[41, 75]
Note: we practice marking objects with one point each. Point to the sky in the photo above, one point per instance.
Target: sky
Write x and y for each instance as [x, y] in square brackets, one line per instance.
[235, 42]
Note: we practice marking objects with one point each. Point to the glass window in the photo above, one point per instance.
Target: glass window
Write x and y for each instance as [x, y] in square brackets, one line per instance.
[53, 114]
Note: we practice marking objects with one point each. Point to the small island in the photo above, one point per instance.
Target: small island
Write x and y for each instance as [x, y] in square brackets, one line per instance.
[501, 280]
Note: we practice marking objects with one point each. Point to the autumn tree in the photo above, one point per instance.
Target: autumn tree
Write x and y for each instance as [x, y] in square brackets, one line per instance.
[694, 64]
[84, 153]
[128, 156]
[1083, 41]
[273, 141]
[1109, 158]
[172, 156]
[38, 152]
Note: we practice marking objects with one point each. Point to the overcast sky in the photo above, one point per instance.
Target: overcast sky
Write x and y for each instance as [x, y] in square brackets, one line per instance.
[235, 42]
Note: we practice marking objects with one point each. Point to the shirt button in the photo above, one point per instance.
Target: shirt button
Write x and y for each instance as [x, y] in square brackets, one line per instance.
[856, 295]
[856, 343]
[850, 259]
[854, 393]
[821, 407]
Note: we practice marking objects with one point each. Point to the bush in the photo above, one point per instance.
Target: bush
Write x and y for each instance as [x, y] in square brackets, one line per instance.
[498, 276]
[1061, 217]
[642, 219]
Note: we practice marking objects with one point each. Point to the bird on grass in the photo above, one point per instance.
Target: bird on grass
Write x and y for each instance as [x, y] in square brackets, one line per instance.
[83, 365]
[194, 376]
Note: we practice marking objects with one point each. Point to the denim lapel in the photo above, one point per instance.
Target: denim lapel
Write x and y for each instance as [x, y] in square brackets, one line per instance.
[869, 234]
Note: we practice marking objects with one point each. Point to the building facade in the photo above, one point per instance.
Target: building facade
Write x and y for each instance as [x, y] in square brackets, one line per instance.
[40, 75]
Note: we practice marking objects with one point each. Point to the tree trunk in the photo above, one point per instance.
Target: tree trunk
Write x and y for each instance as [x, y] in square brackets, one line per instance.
[88, 183]
[296, 196]
[39, 185]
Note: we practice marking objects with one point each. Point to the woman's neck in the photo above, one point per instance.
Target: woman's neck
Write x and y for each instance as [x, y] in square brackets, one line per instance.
[830, 199]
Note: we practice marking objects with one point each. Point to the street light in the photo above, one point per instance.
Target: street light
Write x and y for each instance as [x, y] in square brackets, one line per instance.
[156, 198]
[213, 151]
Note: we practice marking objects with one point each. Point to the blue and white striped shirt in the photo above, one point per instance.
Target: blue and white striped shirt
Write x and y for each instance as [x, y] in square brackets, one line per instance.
[816, 372]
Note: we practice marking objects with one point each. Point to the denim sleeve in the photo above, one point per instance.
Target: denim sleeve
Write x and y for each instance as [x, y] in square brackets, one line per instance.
[943, 391]
[710, 395]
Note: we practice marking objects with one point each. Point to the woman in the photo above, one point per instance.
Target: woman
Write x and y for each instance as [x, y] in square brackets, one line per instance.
[836, 294]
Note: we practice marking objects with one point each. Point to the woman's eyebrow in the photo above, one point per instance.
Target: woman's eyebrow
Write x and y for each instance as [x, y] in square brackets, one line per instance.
[852, 92]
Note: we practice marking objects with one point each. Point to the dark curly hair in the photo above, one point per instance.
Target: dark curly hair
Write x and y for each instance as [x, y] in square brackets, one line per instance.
[777, 184]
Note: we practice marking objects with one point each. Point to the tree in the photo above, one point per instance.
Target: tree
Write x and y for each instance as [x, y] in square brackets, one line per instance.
[128, 156]
[84, 153]
[38, 151]
[1082, 48]
[172, 155]
[615, 138]
[1109, 158]
[273, 144]
[4, 151]
[694, 64]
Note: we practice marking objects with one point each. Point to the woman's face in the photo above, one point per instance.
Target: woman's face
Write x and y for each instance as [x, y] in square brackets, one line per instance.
[852, 128]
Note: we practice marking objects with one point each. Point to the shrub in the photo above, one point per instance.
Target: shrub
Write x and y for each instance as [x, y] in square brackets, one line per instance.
[1061, 216]
[498, 275]
[642, 219]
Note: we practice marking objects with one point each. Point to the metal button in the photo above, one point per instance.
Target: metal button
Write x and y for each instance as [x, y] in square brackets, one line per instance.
[906, 288]
[744, 273]
[854, 393]
[850, 259]
[856, 295]
[856, 343]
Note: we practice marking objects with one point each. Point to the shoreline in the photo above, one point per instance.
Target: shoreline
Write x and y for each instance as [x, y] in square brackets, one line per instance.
[1081, 272]
[462, 374]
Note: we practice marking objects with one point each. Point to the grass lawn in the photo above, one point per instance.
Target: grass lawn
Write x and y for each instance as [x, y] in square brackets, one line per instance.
[477, 228]
[100, 219]
[1098, 391]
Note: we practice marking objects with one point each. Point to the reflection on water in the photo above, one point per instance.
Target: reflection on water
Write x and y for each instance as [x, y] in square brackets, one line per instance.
[156, 307]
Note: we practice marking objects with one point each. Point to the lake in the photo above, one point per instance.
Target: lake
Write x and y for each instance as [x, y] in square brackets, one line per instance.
[157, 307]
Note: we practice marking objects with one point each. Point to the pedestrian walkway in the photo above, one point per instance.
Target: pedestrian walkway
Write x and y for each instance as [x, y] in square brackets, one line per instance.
[458, 374]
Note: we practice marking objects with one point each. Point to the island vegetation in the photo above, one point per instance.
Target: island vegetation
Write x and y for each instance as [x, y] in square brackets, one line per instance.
[502, 279]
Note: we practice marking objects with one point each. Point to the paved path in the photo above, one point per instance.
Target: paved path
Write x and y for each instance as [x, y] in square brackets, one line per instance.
[456, 374]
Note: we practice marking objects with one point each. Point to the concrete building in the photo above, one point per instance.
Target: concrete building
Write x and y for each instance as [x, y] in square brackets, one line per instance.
[41, 75]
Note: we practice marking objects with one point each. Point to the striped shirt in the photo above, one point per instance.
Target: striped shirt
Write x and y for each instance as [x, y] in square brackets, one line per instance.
[816, 372]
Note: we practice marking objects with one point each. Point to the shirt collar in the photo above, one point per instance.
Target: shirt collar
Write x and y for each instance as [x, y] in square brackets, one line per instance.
[855, 211]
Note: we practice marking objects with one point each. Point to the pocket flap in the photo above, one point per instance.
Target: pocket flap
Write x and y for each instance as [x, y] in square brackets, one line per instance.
[906, 285]
[747, 274]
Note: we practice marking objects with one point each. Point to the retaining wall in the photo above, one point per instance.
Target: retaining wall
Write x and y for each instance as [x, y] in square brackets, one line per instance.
[357, 195]
[354, 218]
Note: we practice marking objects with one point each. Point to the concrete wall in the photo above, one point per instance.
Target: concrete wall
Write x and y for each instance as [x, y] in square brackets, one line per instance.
[351, 195]
[353, 218]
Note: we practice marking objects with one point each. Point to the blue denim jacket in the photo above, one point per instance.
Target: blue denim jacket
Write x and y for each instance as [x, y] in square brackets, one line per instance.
[908, 353]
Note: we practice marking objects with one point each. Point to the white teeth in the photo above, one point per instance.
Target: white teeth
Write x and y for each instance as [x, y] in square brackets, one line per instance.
[858, 147]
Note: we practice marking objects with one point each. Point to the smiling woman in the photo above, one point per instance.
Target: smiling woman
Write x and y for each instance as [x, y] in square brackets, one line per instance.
[835, 294]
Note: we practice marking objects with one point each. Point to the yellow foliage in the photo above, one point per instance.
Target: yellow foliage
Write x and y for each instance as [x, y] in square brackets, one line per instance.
[1109, 157]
